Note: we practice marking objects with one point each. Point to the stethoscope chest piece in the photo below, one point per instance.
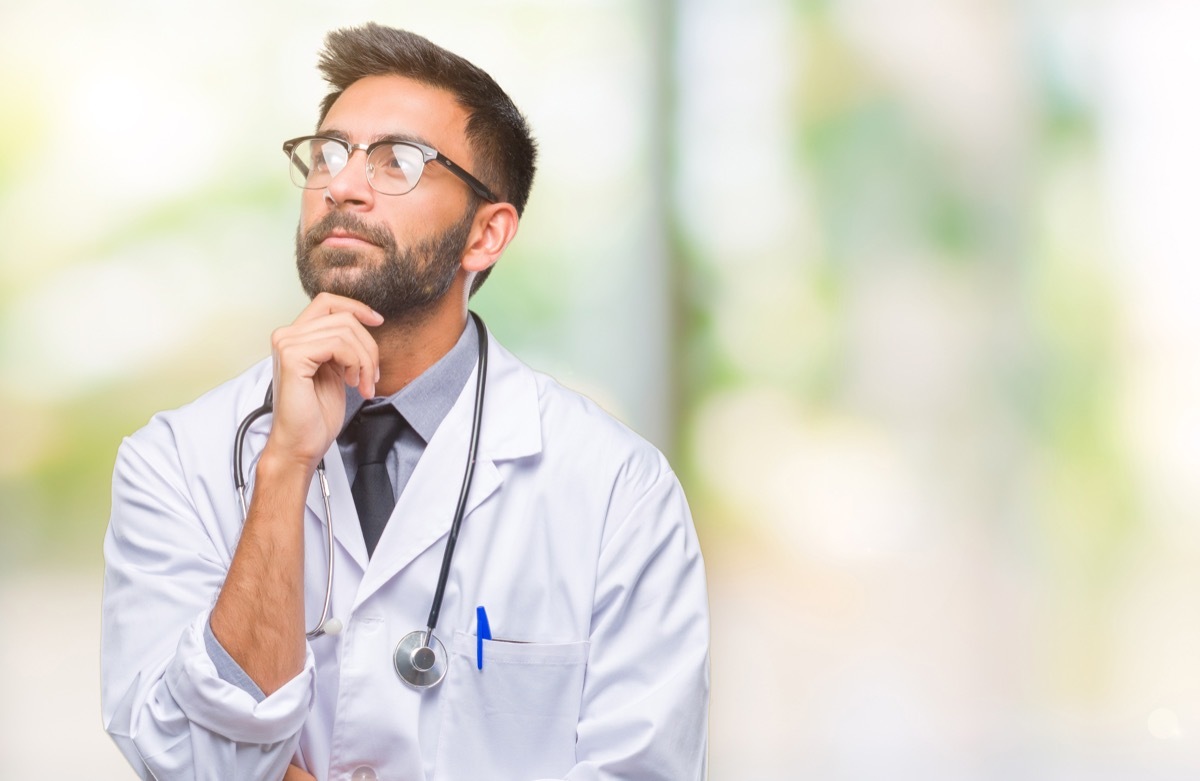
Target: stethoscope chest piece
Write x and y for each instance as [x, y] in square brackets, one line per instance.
[419, 662]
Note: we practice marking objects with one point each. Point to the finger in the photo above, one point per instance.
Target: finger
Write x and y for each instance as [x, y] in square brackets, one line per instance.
[302, 354]
[369, 375]
[363, 374]
[296, 774]
[346, 320]
[329, 303]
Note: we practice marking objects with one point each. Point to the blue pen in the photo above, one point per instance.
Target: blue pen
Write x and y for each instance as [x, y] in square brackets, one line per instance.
[482, 632]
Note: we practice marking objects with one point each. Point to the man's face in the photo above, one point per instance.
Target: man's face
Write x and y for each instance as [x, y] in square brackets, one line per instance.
[398, 254]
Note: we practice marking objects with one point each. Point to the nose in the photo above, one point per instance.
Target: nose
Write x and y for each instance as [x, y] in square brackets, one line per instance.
[350, 185]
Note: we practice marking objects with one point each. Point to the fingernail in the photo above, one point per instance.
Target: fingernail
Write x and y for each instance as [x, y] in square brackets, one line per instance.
[376, 374]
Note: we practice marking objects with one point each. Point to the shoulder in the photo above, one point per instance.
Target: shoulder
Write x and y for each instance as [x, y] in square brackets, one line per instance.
[211, 418]
[177, 468]
[611, 480]
[575, 430]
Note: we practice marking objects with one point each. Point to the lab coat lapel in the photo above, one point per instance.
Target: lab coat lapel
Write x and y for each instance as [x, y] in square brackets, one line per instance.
[424, 513]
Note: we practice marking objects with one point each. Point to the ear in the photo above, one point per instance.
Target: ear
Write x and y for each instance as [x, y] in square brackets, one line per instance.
[494, 227]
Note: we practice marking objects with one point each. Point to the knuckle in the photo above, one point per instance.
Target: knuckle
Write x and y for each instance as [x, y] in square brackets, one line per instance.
[329, 302]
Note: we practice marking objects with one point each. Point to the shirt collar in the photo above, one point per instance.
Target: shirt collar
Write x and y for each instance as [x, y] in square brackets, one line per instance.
[425, 401]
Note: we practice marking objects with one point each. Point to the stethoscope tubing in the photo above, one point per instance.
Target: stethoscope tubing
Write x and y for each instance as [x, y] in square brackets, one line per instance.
[239, 482]
[452, 538]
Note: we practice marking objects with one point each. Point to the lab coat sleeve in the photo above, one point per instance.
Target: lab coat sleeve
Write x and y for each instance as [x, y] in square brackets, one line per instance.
[164, 704]
[644, 712]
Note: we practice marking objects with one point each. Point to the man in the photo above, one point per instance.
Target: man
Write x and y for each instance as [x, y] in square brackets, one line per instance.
[577, 552]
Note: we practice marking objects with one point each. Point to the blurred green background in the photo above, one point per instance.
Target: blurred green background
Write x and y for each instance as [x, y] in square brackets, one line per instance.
[906, 290]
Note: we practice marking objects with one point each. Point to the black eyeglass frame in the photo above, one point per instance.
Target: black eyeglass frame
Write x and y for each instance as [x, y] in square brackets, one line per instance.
[428, 154]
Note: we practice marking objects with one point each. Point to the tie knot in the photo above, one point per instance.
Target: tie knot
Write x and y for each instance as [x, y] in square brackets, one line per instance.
[376, 428]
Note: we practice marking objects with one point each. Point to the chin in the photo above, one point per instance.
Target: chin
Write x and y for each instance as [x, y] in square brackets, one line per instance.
[332, 258]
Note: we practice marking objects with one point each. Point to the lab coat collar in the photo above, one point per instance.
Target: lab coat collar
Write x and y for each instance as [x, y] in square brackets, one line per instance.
[510, 429]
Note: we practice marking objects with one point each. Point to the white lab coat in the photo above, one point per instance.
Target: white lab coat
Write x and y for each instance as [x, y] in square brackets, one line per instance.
[577, 541]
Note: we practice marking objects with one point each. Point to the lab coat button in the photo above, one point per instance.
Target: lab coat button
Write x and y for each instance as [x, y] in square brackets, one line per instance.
[363, 774]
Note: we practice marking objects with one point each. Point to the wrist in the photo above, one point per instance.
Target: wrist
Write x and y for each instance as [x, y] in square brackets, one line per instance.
[279, 468]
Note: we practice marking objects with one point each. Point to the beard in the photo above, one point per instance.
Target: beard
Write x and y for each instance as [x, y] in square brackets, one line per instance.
[403, 287]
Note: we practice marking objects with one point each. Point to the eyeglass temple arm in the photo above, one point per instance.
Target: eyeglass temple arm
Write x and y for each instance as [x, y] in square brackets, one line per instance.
[479, 187]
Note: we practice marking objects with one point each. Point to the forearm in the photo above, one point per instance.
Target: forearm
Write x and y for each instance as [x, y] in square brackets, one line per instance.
[259, 615]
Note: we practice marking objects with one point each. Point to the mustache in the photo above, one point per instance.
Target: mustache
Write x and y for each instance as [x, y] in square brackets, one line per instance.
[376, 235]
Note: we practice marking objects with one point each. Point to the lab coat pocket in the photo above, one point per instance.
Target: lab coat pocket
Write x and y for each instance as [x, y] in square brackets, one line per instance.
[516, 717]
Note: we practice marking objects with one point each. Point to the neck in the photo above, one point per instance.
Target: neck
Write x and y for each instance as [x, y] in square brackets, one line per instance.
[408, 348]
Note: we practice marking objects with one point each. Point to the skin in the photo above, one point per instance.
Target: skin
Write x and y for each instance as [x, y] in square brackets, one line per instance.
[337, 342]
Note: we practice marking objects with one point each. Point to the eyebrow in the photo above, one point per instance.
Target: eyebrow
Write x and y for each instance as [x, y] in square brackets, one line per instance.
[335, 133]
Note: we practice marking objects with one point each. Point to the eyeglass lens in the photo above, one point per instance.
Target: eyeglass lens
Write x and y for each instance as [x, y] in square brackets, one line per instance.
[392, 169]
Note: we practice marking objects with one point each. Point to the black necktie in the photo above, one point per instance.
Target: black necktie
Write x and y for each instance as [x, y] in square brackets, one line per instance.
[376, 430]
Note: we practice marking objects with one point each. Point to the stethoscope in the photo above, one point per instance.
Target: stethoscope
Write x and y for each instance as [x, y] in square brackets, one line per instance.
[420, 658]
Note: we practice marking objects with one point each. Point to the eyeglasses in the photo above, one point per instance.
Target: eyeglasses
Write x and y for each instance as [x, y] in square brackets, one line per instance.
[393, 167]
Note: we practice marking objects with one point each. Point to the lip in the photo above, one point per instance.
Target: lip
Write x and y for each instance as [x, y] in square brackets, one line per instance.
[344, 238]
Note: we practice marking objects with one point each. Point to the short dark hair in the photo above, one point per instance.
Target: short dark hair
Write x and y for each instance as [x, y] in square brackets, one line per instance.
[504, 150]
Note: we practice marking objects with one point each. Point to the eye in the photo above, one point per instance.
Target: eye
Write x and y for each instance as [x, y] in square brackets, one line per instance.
[400, 162]
[327, 157]
[403, 162]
